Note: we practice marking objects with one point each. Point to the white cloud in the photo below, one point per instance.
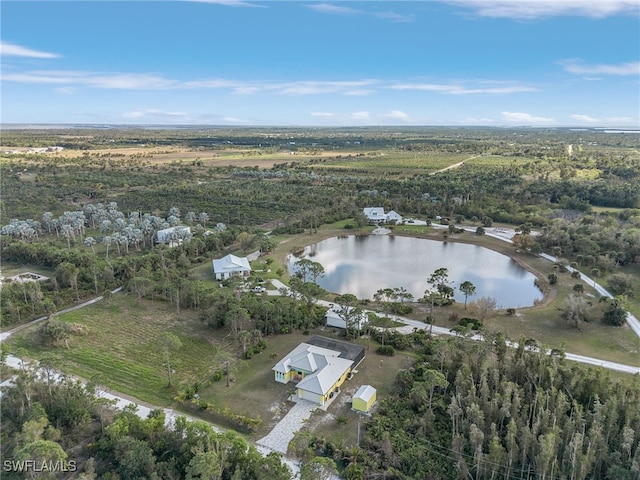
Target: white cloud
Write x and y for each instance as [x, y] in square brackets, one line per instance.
[10, 49]
[320, 87]
[397, 115]
[456, 89]
[233, 120]
[635, 122]
[154, 114]
[65, 90]
[124, 81]
[577, 67]
[232, 3]
[340, 10]
[478, 121]
[134, 114]
[329, 8]
[360, 116]
[584, 118]
[531, 9]
[395, 17]
[322, 114]
[149, 81]
[526, 119]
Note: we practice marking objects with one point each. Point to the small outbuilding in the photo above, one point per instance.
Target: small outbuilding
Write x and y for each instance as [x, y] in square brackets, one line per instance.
[364, 399]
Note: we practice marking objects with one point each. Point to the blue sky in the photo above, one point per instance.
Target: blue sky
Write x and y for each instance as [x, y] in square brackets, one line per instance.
[306, 63]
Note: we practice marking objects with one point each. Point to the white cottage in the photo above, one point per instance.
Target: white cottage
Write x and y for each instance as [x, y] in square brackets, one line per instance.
[231, 265]
[377, 215]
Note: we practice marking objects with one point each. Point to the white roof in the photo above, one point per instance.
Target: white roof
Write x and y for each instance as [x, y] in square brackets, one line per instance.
[231, 263]
[375, 212]
[365, 392]
[325, 367]
[305, 357]
[324, 379]
[177, 228]
[336, 311]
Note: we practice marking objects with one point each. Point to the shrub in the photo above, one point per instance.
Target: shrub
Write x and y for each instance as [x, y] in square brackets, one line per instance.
[387, 350]
[474, 323]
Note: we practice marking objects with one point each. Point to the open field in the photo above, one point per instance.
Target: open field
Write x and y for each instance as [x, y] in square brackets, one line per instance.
[404, 162]
[118, 341]
[9, 269]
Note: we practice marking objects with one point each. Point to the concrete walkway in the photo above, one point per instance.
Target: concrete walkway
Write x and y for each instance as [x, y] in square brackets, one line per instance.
[278, 439]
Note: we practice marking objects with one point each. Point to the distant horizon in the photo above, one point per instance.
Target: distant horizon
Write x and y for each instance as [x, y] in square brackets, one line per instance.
[35, 125]
[332, 64]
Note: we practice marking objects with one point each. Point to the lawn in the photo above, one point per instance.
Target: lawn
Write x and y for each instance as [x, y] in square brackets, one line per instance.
[9, 269]
[119, 342]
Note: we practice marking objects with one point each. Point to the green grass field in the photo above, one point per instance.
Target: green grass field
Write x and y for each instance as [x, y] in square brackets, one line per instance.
[120, 344]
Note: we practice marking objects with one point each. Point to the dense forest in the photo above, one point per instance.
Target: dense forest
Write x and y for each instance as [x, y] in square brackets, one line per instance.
[64, 430]
[483, 410]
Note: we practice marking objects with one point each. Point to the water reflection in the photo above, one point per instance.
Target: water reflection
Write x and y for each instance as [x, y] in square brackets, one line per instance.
[364, 264]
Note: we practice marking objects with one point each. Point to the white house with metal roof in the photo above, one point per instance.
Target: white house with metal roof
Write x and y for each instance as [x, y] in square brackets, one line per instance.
[230, 265]
[377, 215]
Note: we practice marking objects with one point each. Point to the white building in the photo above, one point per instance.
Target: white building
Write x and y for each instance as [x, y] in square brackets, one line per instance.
[230, 265]
[377, 215]
[334, 318]
[173, 236]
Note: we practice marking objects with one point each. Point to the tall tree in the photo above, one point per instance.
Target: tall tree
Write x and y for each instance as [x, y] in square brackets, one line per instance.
[349, 311]
[169, 343]
[468, 289]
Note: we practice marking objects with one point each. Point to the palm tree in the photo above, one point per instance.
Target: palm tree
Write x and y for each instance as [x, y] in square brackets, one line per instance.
[468, 289]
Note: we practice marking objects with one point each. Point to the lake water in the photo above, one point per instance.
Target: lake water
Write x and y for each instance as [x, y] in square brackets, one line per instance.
[362, 265]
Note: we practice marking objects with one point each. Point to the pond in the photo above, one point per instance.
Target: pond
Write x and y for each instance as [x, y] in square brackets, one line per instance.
[362, 265]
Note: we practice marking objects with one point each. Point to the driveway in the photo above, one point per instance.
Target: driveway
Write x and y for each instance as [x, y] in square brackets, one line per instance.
[278, 439]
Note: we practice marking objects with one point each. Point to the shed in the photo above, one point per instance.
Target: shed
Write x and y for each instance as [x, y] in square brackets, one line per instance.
[364, 398]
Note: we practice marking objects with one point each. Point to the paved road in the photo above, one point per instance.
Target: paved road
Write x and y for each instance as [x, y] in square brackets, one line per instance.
[411, 324]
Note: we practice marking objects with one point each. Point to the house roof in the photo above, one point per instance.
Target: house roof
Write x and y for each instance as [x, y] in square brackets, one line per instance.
[374, 212]
[365, 392]
[324, 379]
[174, 229]
[335, 311]
[231, 263]
[325, 360]
[305, 357]
[347, 350]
